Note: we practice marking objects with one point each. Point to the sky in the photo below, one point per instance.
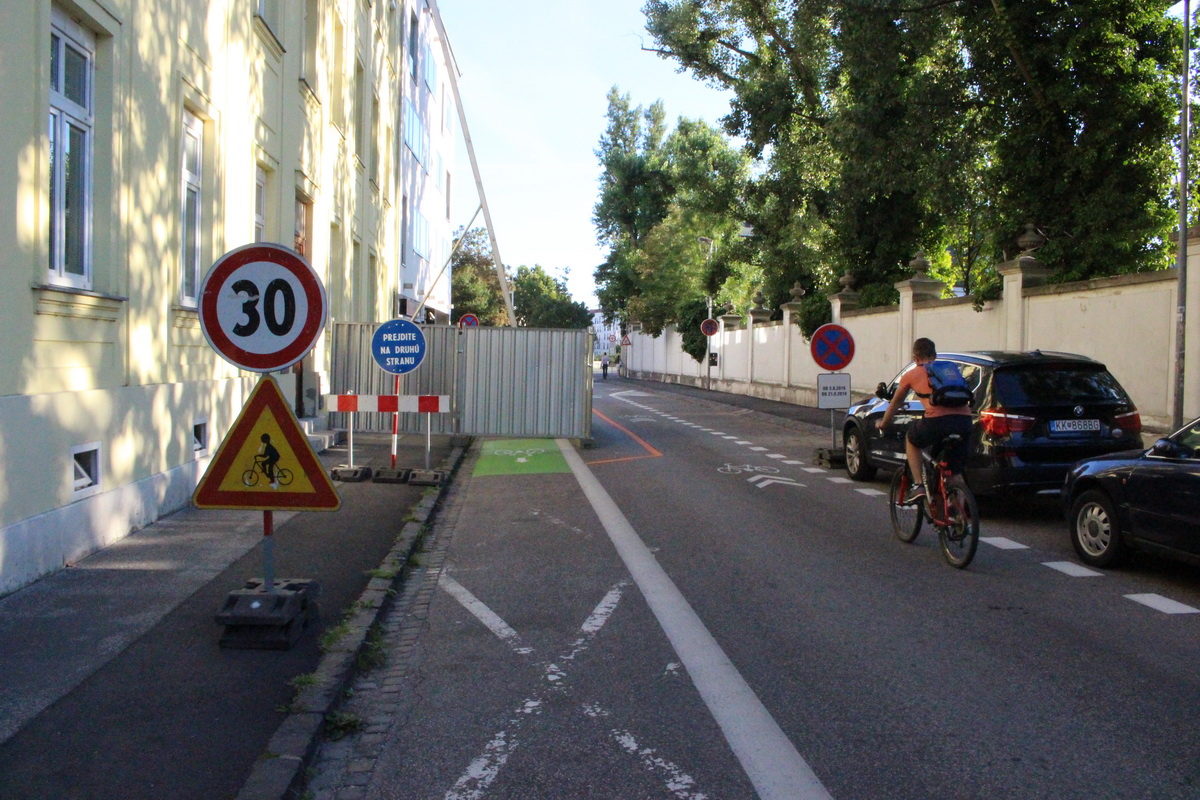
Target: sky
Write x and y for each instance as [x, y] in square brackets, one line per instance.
[534, 79]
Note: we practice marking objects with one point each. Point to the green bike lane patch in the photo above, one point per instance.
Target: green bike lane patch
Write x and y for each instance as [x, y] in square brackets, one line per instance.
[520, 457]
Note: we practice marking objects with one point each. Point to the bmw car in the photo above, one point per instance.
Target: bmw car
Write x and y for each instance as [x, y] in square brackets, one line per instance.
[1142, 499]
[1036, 414]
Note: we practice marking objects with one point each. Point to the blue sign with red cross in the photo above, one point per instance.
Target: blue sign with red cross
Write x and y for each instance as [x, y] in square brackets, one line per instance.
[832, 347]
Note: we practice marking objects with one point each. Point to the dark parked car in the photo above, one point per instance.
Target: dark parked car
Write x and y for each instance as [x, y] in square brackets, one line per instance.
[1144, 499]
[1036, 414]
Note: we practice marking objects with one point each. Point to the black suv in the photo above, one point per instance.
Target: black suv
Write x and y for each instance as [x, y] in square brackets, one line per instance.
[1036, 414]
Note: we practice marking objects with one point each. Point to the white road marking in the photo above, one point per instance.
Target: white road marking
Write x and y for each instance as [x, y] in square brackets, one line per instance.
[730, 437]
[763, 481]
[481, 612]
[717, 433]
[759, 449]
[838, 479]
[741, 441]
[814, 469]
[480, 773]
[1072, 569]
[1164, 604]
[771, 761]
[679, 783]
[793, 463]
[776, 455]
[1002, 543]
[872, 492]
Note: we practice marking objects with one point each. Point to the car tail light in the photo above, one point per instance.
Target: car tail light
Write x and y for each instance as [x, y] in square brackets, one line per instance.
[998, 422]
[1130, 421]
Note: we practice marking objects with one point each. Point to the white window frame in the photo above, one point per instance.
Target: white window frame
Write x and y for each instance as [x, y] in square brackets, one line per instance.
[191, 181]
[200, 436]
[65, 114]
[260, 202]
[85, 477]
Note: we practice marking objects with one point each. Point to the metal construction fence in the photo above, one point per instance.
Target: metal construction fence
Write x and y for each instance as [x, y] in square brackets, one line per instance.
[501, 381]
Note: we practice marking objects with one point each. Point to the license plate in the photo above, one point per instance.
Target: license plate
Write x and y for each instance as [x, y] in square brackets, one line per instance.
[1074, 425]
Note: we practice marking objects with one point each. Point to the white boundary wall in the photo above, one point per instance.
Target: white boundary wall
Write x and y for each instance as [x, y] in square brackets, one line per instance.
[1127, 322]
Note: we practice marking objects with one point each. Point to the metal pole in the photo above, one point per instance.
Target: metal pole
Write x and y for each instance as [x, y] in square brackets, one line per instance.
[708, 349]
[350, 442]
[395, 421]
[268, 552]
[1181, 303]
[428, 437]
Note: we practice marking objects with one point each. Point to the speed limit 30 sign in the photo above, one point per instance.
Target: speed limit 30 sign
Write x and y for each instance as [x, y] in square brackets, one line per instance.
[262, 307]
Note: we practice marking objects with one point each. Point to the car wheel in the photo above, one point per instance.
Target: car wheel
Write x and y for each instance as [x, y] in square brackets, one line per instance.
[856, 456]
[1095, 530]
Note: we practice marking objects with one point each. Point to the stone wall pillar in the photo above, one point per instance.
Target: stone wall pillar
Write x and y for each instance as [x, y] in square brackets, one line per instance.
[790, 310]
[1022, 271]
[757, 316]
[729, 322]
[919, 287]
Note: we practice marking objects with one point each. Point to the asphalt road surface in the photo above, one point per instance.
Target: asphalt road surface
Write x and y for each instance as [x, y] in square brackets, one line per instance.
[693, 609]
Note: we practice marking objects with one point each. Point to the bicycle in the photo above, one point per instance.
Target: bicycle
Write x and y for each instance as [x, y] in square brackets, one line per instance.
[949, 505]
[283, 475]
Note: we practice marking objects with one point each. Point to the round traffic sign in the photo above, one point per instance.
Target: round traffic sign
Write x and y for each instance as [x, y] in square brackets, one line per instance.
[710, 327]
[832, 347]
[468, 321]
[262, 307]
[398, 346]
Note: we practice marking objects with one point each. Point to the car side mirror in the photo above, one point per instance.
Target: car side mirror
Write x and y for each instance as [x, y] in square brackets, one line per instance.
[882, 392]
[1165, 448]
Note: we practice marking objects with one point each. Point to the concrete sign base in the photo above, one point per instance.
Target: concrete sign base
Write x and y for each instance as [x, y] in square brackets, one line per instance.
[256, 619]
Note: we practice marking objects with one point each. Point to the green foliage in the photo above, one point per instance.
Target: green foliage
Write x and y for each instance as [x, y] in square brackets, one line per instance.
[543, 301]
[886, 129]
[474, 285]
[691, 314]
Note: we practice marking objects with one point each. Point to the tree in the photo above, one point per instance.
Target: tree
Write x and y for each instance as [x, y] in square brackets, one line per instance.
[474, 286]
[542, 301]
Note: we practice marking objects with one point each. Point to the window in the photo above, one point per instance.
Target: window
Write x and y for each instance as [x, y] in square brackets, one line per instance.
[312, 34]
[337, 69]
[268, 12]
[72, 66]
[414, 43]
[192, 169]
[430, 64]
[200, 436]
[260, 203]
[373, 160]
[302, 235]
[360, 102]
[85, 468]
[420, 237]
[415, 135]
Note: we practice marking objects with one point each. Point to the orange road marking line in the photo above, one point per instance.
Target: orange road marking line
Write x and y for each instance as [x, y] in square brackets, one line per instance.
[649, 448]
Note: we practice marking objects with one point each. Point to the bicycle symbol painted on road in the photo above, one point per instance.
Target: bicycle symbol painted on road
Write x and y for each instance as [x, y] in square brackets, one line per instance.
[738, 469]
[522, 456]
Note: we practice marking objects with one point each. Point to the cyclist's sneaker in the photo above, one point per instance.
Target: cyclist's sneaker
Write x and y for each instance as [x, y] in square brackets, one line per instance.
[274, 484]
[914, 494]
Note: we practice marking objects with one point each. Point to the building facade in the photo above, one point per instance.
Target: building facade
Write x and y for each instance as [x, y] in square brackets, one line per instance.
[140, 142]
[608, 334]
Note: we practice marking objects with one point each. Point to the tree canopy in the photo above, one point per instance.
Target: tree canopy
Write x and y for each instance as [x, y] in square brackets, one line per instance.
[474, 286]
[542, 301]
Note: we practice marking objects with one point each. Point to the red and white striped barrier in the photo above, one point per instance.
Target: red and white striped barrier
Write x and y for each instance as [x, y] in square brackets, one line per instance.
[388, 403]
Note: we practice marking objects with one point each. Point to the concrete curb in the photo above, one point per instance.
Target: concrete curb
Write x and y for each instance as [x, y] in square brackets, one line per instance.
[279, 771]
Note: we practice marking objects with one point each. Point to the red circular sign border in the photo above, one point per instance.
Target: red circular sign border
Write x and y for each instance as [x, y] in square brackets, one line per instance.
[714, 323]
[314, 293]
[831, 327]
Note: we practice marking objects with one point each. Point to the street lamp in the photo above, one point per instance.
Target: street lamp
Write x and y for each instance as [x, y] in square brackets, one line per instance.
[708, 305]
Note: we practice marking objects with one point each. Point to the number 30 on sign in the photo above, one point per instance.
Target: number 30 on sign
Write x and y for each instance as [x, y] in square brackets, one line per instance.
[262, 307]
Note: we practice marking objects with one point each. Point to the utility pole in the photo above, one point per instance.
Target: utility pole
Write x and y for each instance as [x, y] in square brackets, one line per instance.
[1181, 310]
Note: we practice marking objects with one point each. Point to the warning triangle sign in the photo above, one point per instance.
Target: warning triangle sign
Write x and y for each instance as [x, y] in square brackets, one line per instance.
[266, 461]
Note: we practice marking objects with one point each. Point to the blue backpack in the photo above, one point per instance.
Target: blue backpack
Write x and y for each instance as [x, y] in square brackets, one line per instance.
[947, 385]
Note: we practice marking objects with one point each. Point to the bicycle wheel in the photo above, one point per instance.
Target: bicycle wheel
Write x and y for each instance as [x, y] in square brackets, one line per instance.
[906, 520]
[250, 477]
[960, 538]
[283, 475]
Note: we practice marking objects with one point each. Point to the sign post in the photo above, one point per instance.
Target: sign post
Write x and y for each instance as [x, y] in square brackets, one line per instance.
[832, 348]
[398, 347]
[709, 327]
[262, 308]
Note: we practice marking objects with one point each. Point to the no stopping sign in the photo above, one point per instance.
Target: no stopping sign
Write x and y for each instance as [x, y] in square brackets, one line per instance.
[262, 307]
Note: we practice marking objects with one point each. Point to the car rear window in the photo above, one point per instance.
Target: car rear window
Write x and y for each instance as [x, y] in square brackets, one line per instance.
[1056, 384]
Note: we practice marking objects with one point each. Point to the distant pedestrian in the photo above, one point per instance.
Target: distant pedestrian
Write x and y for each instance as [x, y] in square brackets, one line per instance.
[604, 366]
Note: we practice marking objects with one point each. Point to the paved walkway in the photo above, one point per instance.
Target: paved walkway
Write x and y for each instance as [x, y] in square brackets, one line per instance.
[114, 683]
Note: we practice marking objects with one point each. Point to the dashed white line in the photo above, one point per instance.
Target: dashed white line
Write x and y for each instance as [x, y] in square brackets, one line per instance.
[872, 492]
[838, 479]
[793, 463]
[730, 437]
[759, 449]
[814, 470]
[1164, 604]
[776, 455]
[1002, 543]
[1072, 569]
[742, 441]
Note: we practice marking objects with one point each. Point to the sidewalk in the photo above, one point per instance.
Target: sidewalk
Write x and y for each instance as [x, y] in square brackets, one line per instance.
[114, 682]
